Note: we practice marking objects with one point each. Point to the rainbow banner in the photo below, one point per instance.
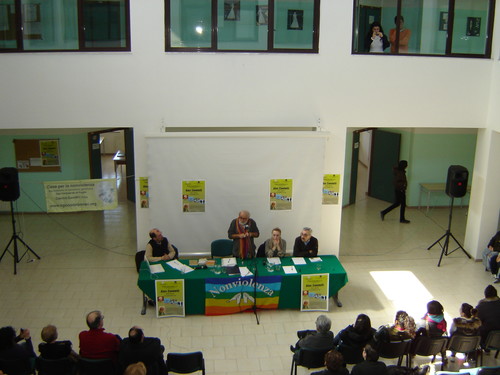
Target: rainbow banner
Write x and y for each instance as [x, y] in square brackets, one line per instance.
[236, 294]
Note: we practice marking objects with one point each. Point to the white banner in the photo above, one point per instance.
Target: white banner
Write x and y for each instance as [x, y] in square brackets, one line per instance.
[81, 195]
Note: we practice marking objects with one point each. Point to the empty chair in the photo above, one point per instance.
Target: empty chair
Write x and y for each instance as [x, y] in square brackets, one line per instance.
[185, 363]
[88, 366]
[493, 342]
[464, 344]
[221, 248]
[395, 349]
[62, 366]
[16, 366]
[427, 346]
[308, 359]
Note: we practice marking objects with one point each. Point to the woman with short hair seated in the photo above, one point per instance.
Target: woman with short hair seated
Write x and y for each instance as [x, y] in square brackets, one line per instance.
[371, 365]
[53, 349]
[334, 362]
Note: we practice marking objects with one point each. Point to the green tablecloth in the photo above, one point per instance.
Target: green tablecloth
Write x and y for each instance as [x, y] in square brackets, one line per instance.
[194, 284]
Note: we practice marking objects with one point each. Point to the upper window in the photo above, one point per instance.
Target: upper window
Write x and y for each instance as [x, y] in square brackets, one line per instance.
[64, 25]
[242, 25]
[424, 27]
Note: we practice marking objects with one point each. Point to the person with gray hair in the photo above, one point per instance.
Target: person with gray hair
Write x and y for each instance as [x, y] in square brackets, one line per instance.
[95, 343]
[242, 231]
[305, 245]
[320, 339]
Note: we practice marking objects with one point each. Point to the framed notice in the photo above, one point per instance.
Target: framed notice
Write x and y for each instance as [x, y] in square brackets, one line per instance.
[314, 292]
[170, 298]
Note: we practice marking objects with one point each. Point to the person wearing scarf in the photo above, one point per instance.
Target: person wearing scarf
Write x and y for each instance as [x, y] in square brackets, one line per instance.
[242, 231]
[433, 323]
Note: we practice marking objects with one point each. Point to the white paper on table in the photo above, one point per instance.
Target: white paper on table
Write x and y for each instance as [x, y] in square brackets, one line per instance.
[156, 268]
[228, 262]
[175, 264]
[274, 260]
[315, 260]
[289, 269]
[298, 261]
[245, 271]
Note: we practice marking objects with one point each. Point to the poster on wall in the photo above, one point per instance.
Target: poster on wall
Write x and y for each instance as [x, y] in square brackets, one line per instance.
[314, 292]
[170, 298]
[49, 151]
[193, 196]
[81, 195]
[280, 194]
[331, 183]
[144, 191]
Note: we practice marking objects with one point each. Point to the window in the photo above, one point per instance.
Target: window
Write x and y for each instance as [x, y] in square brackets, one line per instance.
[242, 25]
[64, 25]
[424, 27]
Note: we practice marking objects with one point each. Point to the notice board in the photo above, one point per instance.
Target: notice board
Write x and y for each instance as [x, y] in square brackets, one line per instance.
[37, 155]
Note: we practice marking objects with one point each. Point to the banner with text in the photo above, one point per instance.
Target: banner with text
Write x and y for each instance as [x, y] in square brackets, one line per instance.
[280, 194]
[81, 195]
[232, 295]
[170, 298]
[193, 196]
[314, 292]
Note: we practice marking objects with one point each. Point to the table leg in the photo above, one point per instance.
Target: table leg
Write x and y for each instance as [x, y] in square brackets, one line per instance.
[144, 304]
[336, 300]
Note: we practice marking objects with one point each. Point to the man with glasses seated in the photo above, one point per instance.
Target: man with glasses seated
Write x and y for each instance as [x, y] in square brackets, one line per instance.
[242, 231]
[306, 245]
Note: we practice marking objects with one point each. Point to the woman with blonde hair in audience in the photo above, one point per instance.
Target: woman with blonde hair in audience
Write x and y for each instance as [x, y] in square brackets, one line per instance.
[135, 369]
[53, 349]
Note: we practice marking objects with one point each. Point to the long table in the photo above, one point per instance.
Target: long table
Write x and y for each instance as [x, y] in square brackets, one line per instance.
[429, 188]
[194, 282]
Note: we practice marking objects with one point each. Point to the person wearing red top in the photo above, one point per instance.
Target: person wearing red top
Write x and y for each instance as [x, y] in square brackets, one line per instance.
[95, 343]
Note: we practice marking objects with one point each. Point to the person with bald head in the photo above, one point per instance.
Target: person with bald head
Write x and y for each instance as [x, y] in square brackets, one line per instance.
[158, 248]
[242, 231]
[95, 343]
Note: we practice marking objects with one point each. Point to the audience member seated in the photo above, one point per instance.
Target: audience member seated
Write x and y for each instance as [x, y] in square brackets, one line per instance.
[275, 246]
[355, 337]
[488, 311]
[321, 339]
[467, 324]
[158, 248]
[433, 323]
[135, 369]
[305, 245]
[403, 329]
[95, 343]
[491, 256]
[371, 365]
[334, 363]
[53, 349]
[137, 348]
[11, 347]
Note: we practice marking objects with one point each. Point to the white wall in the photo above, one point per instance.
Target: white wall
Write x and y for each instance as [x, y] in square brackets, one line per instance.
[147, 88]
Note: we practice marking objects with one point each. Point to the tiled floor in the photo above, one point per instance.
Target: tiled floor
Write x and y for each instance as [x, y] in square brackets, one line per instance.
[88, 263]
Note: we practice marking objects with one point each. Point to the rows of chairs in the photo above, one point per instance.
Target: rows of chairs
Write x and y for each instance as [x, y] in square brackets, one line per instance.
[181, 363]
[404, 350]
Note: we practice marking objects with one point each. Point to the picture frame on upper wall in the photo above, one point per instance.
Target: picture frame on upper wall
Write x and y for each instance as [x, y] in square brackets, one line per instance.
[443, 21]
[231, 10]
[261, 15]
[473, 26]
[295, 19]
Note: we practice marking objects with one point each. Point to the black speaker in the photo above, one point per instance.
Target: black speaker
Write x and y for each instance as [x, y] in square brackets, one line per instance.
[456, 184]
[9, 184]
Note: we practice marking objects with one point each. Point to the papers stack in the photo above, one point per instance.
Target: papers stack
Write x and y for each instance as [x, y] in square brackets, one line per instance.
[175, 264]
[298, 261]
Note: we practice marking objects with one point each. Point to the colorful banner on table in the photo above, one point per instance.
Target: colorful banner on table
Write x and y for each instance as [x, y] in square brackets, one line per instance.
[81, 195]
[170, 298]
[193, 196]
[144, 191]
[236, 294]
[314, 292]
[280, 194]
[331, 185]
[49, 152]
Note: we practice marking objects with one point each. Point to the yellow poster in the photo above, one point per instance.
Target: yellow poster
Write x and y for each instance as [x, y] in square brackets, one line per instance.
[331, 184]
[144, 191]
[49, 152]
[314, 292]
[280, 196]
[81, 195]
[193, 196]
[169, 298]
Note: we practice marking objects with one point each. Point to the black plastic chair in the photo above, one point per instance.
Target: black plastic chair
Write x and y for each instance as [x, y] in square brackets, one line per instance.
[489, 371]
[87, 366]
[395, 349]
[308, 359]
[427, 346]
[261, 251]
[139, 257]
[62, 366]
[221, 248]
[492, 343]
[185, 363]
[464, 344]
[16, 366]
